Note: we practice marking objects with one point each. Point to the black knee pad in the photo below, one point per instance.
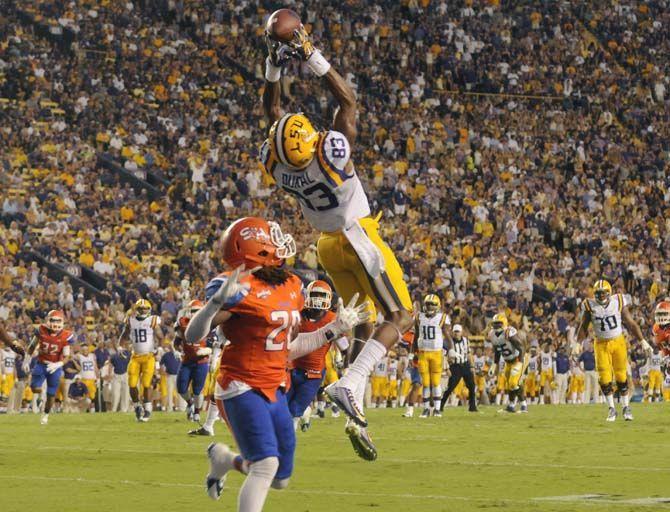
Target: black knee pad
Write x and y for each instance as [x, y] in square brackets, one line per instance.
[622, 387]
[607, 388]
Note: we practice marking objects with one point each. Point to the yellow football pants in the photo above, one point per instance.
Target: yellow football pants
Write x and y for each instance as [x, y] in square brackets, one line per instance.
[577, 384]
[330, 377]
[393, 389]
[513, 372]
[655, 381]
[388, 292]
[430, 367]
[92, 388]
[7, 384]
[501, 385]
[142, 365]
[530, 386]
[611, 360]
[405, 386]
[546, 377]
[480, 383]
[379, 386]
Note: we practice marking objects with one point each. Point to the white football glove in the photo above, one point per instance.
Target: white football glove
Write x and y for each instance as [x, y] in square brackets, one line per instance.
[232, 288]
[452, 354]
[204, 351]
[53, 367]
[350, 316]
[26, 365]
[492, 371]
[645, 345]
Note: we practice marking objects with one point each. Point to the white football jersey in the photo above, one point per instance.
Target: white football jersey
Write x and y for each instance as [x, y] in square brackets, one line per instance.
[430, 331]
[501, 342]
[8, 358]
[655, 362]
[381, 368]
[87, 366]
[533, 364]
[546, 361]
[142, 333]
[331, 197]
[393, 369]
[479, 363]
[606, 320]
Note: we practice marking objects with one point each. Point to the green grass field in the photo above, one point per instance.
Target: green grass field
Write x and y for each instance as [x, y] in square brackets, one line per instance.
[550, 459]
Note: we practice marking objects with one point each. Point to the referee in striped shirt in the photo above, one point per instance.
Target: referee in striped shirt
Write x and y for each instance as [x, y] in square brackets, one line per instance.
[460, 367]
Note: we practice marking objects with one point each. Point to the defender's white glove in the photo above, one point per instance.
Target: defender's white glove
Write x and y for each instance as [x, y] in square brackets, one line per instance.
[204, 351]
[645, 345]
[226, 296]
[53, 367]
[492, 371]
[26, 365]
[350, 316]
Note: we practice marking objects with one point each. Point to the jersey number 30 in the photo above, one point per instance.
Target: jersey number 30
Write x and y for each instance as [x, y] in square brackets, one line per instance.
[288, 321]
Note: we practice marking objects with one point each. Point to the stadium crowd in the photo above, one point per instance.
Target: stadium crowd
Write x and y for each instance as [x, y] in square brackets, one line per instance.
[517, 151]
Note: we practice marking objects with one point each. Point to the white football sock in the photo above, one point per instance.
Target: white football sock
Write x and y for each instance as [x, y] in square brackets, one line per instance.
[610, 400]
[359, 392]
[360, 369]
[296, 421]
[321, 406]
[212, 416]
[148, 406]
[257, 484]
[625, 400]
[307, 414]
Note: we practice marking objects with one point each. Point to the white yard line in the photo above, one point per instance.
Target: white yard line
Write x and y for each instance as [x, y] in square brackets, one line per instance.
[558, 500]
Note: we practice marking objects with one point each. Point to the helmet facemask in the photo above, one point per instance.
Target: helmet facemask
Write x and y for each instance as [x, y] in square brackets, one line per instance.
[283, 242]
[431, 308]
[602, 296]
[55, 324]
[662, 318]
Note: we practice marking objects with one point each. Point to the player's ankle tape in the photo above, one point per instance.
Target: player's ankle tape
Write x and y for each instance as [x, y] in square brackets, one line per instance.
[318, 64]
[272, 72]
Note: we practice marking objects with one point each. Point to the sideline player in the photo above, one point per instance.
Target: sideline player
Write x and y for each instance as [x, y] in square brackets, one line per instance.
[7, 374]
[509, 348]
[257, 307]
[89, 373]
[414, 395]
[547, 372]
[216, 341]
[143, 330]
[431, 332]
[607, 313]
[316, 168]
[531, 385]
[52, 343]
[194, 363]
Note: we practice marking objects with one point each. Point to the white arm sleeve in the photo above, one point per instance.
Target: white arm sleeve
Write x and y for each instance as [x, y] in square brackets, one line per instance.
[201, 323]
[307, 342]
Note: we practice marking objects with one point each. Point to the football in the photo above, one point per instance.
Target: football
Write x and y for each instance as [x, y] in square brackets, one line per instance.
[282, 24]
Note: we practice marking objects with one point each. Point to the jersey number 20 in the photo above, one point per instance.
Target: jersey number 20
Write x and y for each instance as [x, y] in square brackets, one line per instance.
[288, 321]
